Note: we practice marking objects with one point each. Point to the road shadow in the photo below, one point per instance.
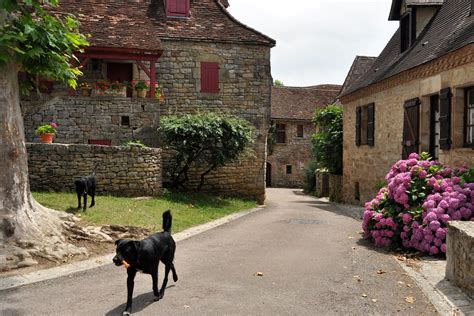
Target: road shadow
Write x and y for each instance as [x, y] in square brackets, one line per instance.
[329, 207]
[139, 303]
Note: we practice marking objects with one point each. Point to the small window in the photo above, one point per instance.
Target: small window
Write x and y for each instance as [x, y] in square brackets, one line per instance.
[280, 133]
[407, 29]
[469, 130]
[365, 125]
[300, 131]
[289, 169]
[209, 77]
[177, 8]
[125, 121]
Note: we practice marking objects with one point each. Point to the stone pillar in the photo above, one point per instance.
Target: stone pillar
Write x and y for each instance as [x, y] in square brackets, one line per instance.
[460, 255]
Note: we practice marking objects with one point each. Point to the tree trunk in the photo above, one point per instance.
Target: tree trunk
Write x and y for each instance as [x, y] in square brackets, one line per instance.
[26, 228]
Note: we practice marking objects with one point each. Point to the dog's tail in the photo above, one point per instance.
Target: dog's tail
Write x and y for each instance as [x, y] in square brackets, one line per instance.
[167, 219]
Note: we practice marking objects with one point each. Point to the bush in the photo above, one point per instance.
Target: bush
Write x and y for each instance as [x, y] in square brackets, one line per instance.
[131, 143]
[206, 141]
[413, 210]
[327, 142]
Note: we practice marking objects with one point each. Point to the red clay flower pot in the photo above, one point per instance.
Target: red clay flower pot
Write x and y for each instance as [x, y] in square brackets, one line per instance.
[47, 138]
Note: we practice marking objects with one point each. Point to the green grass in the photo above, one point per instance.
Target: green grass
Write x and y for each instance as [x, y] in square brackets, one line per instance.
[188, 209]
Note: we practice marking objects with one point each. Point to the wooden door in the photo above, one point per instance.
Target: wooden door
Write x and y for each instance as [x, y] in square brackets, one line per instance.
[411, 124]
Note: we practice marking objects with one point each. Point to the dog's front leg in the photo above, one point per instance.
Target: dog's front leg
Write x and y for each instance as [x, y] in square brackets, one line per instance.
[85, 202]
[130, 283]
[79, 197]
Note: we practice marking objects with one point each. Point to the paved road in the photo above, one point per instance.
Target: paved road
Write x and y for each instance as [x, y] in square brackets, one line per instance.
[302, 246]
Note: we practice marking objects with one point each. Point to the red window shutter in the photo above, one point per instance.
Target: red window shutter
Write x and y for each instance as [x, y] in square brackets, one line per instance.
[209, 77]
[177, 7]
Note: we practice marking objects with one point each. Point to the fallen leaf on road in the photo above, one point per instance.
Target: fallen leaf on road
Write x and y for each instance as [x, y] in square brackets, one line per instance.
[186, 306]
[364, 295]
[374, 300]
[400, 283]
[410, 299]
[353, 248]
[99, 261]
[357, 278]
[258, 274]
[409, 285]
[381, 271]
[350, 237]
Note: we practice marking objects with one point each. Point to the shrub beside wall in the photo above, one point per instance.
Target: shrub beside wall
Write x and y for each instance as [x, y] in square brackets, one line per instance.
[121, 171]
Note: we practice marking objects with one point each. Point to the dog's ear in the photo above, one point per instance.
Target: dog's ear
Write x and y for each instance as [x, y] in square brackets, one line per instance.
[118, 241]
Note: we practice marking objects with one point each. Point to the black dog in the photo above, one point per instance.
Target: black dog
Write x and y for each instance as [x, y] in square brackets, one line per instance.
[84, 186]
[145, 255]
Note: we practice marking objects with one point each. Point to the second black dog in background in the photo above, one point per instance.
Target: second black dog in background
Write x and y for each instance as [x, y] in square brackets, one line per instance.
[86, 186]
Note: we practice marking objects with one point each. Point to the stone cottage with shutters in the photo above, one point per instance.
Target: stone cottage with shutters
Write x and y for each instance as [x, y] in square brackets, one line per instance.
[417, 96]
[290, 147]
[192, 52]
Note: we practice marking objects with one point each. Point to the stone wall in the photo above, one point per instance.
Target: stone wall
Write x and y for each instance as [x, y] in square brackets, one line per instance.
[296, 152]
[120, 171]
[81, 119]
[366, 166]
[245, 91]
[460, 255]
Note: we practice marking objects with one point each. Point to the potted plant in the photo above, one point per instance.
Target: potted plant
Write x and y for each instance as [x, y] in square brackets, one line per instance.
[159, 94]
[142, 88]
[85, 88]
[46, 132]
[118, 89]
[101, 87]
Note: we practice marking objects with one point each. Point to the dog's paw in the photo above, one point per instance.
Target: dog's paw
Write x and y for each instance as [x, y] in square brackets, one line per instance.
[175, 278]
[157, 298]
[126, 313]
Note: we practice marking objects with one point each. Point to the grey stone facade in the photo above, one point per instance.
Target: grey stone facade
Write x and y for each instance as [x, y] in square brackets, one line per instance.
[245, 91]
[120, 171]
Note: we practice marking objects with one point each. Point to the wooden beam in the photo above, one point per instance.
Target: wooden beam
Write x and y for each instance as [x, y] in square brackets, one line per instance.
[85, 62]
[152, 78]
[142, 67]
[113, 56]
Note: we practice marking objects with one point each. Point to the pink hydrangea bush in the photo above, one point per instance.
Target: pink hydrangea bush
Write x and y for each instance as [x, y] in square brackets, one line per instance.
[412, 211]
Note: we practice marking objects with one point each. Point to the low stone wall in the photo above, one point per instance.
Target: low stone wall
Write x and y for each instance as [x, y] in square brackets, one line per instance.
[322, 183]
[335, 188]
[121, 171]
[460, 255]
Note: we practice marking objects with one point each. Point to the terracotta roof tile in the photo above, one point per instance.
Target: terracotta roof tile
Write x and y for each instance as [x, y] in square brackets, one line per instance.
[143, 23]
[299, 103]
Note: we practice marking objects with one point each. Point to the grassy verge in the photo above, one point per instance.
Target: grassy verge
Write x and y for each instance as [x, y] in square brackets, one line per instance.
[188, 209]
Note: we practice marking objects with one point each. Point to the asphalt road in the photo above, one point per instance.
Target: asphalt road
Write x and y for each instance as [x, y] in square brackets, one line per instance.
[311, 255]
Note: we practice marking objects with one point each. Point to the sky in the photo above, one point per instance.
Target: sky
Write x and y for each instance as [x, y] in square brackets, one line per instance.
[317, 43]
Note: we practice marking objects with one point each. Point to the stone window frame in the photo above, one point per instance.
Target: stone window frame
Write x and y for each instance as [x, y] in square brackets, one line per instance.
[468, 115]
[300, 131]
[365, 125]
[280, 133]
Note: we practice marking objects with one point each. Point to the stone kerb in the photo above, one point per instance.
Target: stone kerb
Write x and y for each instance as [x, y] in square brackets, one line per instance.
[120, 171]
[460, 255]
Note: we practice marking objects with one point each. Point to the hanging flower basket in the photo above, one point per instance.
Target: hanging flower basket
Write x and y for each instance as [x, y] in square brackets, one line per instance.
[142, 93]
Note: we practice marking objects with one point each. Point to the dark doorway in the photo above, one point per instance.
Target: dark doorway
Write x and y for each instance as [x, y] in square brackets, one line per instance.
[121, 72]
[411, 123]
[268, 178]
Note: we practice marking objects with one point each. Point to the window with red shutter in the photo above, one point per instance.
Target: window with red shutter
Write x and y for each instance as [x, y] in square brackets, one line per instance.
[209, 77]
[177, 7]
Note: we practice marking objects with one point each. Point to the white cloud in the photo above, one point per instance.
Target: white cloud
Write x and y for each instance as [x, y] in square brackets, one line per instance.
[317, 40]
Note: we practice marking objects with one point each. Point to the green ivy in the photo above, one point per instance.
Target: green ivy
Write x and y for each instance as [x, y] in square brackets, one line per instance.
[327, 141]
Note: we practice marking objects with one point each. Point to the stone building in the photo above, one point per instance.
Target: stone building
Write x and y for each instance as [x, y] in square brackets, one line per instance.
[417, 96]
[290, 148]
[195, 56]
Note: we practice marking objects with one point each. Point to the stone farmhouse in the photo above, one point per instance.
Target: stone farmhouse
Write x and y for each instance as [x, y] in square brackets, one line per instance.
[290, 149]
[196, 57]
[418, 95]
